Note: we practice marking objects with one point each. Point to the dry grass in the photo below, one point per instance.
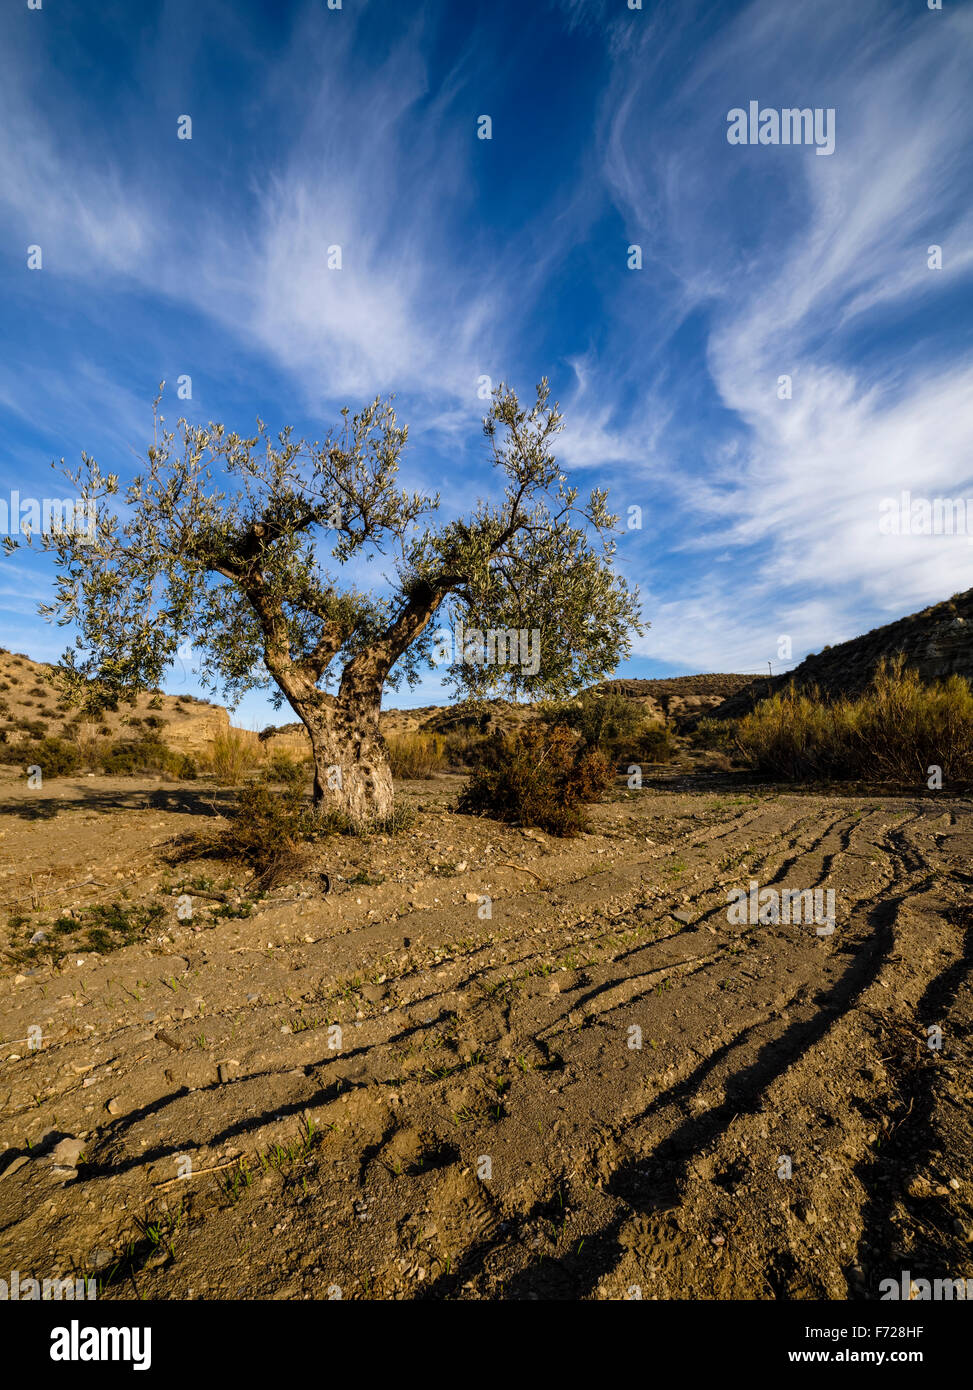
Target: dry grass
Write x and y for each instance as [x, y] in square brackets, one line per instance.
[234, 753]
[897, 730]
[417, 755]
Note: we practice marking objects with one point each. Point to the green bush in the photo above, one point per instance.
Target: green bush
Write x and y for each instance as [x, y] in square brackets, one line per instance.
[603, 720]
[618, 726]
[653, 744]
[283, 767]
[537, 777]
[719, 734]
[54, 756]
[135, 757]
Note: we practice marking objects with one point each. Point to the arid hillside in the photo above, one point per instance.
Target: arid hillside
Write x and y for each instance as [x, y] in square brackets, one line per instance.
[937, 642]
[30, 705]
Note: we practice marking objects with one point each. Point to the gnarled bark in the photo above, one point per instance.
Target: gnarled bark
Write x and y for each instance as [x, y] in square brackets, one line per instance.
[352, 775]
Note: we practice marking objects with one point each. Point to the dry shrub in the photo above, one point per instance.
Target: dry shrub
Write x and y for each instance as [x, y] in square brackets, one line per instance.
[618, 726]
[894, 731]
[463, 748]
[55, 757]
[270, 830]
[234, 753]
[417, 755]
[537, 777]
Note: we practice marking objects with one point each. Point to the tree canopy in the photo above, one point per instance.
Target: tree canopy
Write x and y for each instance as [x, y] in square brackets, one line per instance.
[237, 544]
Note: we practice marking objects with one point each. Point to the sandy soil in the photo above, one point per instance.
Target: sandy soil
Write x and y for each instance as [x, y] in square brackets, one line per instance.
[486, 1129]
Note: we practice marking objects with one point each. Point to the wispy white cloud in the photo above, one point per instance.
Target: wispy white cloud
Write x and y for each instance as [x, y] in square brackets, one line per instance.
[823, 273]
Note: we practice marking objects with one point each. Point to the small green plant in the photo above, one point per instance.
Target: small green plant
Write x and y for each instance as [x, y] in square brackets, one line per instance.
[366, 879]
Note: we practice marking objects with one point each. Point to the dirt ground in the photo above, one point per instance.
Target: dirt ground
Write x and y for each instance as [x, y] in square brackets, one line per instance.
[482, 1123]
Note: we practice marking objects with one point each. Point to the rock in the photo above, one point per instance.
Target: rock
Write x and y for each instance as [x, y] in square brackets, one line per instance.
[66, 1153]
[15, 1167]
[113, 1107]
[38, 938]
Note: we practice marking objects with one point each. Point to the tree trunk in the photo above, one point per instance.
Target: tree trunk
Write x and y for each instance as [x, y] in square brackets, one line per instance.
[352, 775]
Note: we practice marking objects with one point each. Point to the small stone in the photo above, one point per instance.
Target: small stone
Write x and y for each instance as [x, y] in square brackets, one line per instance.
[66, 1153]
[113, 1107]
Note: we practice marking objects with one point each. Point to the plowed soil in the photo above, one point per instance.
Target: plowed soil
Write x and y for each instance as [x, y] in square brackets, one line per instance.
[485, 1123]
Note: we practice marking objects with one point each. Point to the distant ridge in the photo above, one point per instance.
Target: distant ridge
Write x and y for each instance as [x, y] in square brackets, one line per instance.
[711, 684]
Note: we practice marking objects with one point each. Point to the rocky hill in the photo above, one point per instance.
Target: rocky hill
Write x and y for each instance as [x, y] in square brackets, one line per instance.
[679, 700]
[937, 642]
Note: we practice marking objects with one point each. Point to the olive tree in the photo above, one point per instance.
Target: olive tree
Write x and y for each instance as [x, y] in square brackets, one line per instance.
[238, 545]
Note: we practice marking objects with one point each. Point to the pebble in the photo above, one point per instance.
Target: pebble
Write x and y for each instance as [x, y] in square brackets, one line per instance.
[66, 1153]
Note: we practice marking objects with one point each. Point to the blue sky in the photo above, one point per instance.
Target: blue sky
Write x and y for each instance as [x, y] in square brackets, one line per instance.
[508, 258]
